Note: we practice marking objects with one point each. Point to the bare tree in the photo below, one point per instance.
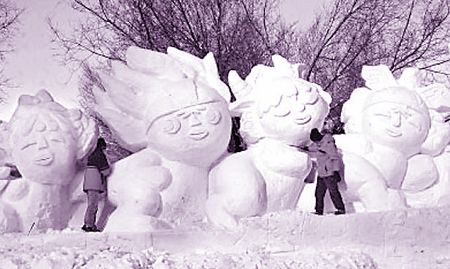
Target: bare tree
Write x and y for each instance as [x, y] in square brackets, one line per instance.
[398, 33]
[240, 33]
[9, 16]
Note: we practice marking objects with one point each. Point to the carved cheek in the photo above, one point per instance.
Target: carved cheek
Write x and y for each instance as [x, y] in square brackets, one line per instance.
[214, 117]
[172, 126]
[416, 124]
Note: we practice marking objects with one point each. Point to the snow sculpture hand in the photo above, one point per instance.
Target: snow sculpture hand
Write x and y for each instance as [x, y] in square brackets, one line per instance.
[438, 136]
[135, 188]
[422, 173]
[4, 172]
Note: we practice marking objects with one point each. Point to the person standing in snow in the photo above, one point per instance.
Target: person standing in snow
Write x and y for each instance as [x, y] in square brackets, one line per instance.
[329, 163]
[95, 183]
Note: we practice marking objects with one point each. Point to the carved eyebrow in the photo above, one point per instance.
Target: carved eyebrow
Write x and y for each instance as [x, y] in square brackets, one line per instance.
[186, 115]
[28, 145]
[382, 114]
[180, 113]
[57, 138]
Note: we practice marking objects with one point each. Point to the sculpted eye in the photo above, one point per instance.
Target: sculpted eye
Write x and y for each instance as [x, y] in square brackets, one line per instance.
[172, 126]
[379, 114]
[57, 139]
[281, 111]
[214, 116]
[282, 108]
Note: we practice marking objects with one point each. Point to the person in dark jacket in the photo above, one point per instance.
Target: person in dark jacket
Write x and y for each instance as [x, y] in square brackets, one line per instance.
[95, 183]
[329, 163]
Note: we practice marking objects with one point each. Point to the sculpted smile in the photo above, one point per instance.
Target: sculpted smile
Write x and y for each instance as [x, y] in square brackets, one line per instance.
[44, 159]
[393, 133]
[302, 119]
[198, 135]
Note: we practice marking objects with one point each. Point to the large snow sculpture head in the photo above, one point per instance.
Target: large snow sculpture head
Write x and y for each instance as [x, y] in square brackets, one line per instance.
[46, 139]
[191, 123]
[389, 112]
[397, 118]
[175, 104]
[275, 103]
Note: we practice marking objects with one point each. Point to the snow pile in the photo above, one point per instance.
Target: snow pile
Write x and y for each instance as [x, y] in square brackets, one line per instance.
[114, 257]
[327, 259]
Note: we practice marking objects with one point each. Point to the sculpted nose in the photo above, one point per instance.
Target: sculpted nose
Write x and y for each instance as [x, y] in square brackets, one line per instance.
[396, 119]
[300, 107]
[42, 142]
[194, 120]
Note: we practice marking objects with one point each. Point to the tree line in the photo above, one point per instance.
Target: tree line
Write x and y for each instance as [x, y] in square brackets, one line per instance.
[346, 35]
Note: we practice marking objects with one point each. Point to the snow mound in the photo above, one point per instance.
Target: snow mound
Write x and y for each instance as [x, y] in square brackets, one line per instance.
[115, 257]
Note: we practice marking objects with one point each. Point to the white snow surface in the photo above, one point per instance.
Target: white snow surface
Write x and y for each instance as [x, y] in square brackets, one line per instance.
[413, 238]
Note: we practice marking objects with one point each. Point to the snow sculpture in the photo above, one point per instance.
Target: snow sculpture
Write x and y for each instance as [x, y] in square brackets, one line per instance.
[45, 141]
[389, 124]
[429, 185]
[278, 111]
[172, 110]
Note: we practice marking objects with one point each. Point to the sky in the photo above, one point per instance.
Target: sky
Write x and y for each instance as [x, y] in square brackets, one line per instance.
[32, 66]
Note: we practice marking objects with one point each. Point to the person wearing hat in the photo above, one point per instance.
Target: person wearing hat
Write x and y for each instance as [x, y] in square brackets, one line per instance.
[95, 184]
[329, 163]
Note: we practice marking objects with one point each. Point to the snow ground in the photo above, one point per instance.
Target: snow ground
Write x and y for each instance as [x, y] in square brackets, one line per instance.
[414, 238]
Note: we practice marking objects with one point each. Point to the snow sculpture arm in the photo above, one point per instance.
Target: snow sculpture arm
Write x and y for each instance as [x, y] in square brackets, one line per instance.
[286, 161]
[138, 199]
[438, 136]
[421, 174]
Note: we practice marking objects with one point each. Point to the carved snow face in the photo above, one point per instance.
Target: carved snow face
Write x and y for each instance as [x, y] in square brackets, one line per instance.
[197, 134]
[395, 125]
[44, 151]
[290, 116]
